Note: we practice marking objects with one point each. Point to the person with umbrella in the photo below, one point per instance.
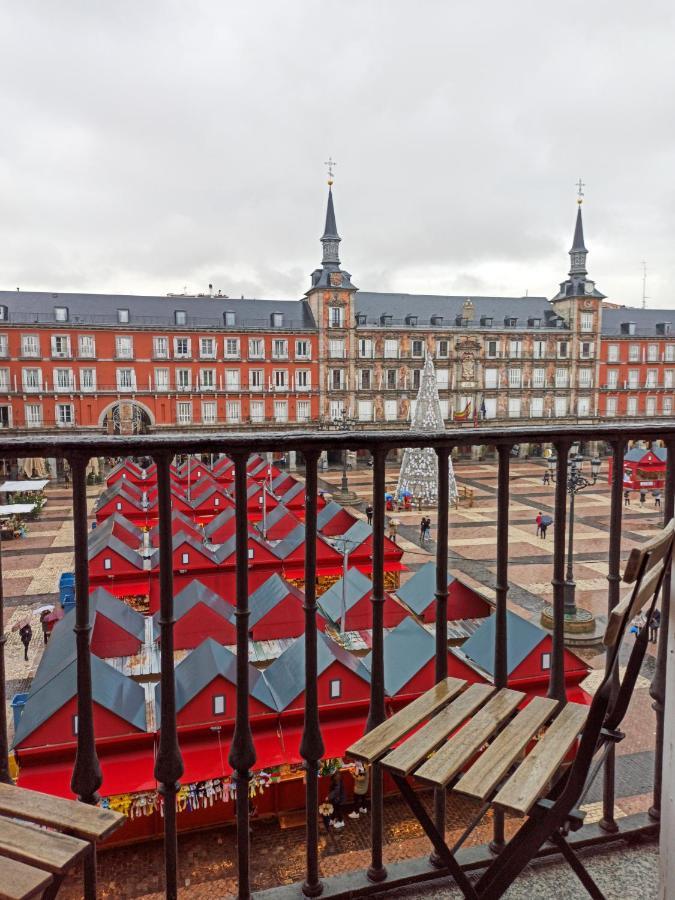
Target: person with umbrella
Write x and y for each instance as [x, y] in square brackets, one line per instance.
[545, 522]
[26, 634]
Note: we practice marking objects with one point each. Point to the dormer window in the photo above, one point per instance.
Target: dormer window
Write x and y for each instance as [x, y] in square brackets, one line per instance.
[510, 321]
[60, 313]
[180, 317]
[277, 320]
[486, 321]
[663, 327]
[385, 319]
[411, 320]
[228, 318]
[628, 328]
[123, 316]
[361, 318]
[218, 704]
[458, 321]
[4, 313]
[534, 323]
[437, 320]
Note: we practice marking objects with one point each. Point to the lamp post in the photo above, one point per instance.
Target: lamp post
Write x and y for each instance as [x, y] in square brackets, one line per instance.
[345, 495]
[576, 482]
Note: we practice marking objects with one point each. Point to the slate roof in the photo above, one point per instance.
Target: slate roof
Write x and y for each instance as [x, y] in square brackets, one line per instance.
[216, 522]
[424, 306]
[291, 542]
[286, 675]
[98, 543]
[522, 638]
[127, 489]
[419, 591]
[645, 321]
[268, 595]
[118, 612]
[196, 592]
[357, 585]
[110, 689]
[207, 661]
[357, 534]
[274, 516]
[292, 492]
[407, 648]
[635, 454]
[37, 307]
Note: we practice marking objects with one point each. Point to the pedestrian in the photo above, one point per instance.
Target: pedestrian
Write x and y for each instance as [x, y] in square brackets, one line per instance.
[538, 521]
[542, 529]
[25, 633]
[547, 477]
[654, 625]
[361, 782]
[369, 514]
[657, 499]
[393, 528]
[626, 498]
[427, 529]
[423, 529]
[336, 796]
[419, 503]
[643, 497]
[45, 626]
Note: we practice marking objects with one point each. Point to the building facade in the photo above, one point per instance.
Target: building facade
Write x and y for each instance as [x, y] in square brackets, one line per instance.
[338, 356]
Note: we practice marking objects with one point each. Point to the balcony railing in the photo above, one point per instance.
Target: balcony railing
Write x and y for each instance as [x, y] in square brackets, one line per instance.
[86, 779]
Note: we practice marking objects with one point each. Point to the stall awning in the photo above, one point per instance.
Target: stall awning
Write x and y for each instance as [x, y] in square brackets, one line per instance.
[206, 757]
[11, 487]
[123, 773]
[338, 734]
[17, 509]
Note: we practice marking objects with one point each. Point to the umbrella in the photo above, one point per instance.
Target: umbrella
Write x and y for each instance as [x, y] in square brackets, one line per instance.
[41, 609]
[547, 520]
[55, 616]
[19, 625]
[388, 496]
[406, 493]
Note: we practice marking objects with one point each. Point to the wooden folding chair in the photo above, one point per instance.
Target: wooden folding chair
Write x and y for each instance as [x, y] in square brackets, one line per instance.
[474, 740]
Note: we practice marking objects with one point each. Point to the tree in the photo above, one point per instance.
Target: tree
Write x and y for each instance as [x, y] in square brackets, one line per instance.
[419, 468]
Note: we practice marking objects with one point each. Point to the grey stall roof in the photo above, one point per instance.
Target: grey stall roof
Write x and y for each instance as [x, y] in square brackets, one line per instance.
[645, 321]
[419, 591]
[398, 306]
[220, 519]
[101, 601]
[291, 542]
[207, 661]
[286, 675]
[635, 454]
[100, 543]
[328, 513]
[115, 692]
[37, 307]
[356, 586]
[268, 595]
[357, 534]
[407, 648]
[195, 592]
[522, 638]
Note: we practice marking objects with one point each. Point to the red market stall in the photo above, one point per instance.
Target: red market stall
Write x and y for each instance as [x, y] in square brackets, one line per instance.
[643, 470]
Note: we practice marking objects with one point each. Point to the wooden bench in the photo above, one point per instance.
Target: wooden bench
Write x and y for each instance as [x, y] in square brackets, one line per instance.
[43, 837]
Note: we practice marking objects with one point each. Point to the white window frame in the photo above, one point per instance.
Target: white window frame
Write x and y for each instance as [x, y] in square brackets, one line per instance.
[88, 382]
[184, 412]
[162, 379]
[182, 347]
[303, 410]
[65, 415]
[365, 348]
[86, 346]
[124, 346]
[204, 351]
[257, 411]
[30, 346]
[632, 406]
[232, 348]
[33, 416]
[303, 349]
[613, 354]
[30, 384]
[209, 412]
[160, 347]
[391, 348]
[279, 348]
[256, 348]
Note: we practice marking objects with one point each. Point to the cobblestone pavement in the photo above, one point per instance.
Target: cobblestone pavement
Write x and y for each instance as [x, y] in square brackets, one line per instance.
[32, 566]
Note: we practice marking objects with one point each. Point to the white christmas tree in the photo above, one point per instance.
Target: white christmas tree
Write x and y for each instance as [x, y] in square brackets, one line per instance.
[419, 468]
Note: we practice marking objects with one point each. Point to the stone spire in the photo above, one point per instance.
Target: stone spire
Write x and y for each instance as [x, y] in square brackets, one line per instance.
[331, 238]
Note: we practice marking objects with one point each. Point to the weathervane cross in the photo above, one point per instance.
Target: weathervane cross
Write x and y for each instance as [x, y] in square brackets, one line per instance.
[330, 163]
[580, 191]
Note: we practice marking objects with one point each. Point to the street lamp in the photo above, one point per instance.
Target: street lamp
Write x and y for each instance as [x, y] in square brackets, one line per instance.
[576, 481]
[345, 423]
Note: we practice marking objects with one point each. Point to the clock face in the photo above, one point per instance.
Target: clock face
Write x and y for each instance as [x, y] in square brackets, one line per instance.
[589, 287]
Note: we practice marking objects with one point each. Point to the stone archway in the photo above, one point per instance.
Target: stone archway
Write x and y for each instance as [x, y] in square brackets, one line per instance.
[126, 417]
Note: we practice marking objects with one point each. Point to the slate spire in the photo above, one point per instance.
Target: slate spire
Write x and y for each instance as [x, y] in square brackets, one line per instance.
[331, 238]
[578, 253]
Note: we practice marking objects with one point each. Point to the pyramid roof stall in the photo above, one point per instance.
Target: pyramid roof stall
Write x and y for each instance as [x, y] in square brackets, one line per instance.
[115, 692]
[270, 593]
[179, 522]
[522, 638]
[286, 675]
[207, 661]
[118, 525]
[102, 602]
[419, 591]
[129, 492]
[260, 470]
[407, 649]
[280, 521]
[129, 471]
[107, 540]
[194, 594]
[356, 586]
[333, 519]
[282, 482]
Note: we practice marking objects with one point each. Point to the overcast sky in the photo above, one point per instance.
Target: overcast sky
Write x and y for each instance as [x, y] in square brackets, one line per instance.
[147, 146]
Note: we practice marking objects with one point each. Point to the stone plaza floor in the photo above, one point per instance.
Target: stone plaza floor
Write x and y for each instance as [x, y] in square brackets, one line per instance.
[31, 570]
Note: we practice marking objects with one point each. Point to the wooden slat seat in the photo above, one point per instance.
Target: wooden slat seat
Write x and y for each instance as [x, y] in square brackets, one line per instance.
[90, 823]
[423, 742]
[524, 788]
[494, 763]
[21, 882]
[372, 746]
[463, 746]
[49, 850]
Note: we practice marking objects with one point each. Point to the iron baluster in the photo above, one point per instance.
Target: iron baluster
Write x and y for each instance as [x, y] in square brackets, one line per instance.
[608, 822]
[556, 687]
[441, 595]
[376, 712]
[311, 746]
[169, 763]
[242, 752]
[87, 778]
[4, 744]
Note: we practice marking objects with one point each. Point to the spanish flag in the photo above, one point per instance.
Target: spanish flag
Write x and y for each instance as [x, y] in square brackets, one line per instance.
[463, 416]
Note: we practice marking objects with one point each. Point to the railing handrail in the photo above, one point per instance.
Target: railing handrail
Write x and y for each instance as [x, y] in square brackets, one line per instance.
[232, 441]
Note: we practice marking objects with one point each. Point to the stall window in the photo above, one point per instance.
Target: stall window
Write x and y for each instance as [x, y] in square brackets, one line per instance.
[545, 661]
[107, 563]
[218, 704]
[335, 688]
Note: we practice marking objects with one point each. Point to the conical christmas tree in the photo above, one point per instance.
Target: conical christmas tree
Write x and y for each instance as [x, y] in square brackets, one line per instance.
[419, 468]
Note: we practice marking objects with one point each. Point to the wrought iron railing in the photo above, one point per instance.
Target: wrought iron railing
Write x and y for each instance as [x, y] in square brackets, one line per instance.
[87, 779]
